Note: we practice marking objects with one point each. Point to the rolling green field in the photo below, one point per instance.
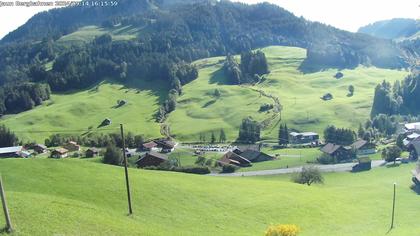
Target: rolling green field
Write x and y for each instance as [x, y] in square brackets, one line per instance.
[200, 112]
[85, 110]
[88, 33]
[299, 95]
[80, 197]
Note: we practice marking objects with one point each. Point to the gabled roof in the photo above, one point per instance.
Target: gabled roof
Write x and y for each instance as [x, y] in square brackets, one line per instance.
[40, 145]
[255, 156]
[155, 155]
[233, 156]
[61, 150]
[330, 148]
[165, 143]
[150, 144]
[10, 149]
[359, 144]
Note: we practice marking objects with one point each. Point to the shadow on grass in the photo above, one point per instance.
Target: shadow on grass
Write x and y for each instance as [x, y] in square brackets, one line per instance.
[393, 165]
[218, 77]
[208, 104]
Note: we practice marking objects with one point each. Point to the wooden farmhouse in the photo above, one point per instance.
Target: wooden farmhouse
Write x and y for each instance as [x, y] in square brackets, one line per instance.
[59, 153]
[151, 159]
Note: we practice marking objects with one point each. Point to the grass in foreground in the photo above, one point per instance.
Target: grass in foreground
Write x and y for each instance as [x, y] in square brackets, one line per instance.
[77, 197]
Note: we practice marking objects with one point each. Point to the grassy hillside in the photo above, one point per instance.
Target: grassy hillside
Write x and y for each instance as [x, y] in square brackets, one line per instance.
[200, 111]
[88, 33]
[79, 197]
[299, 95]
[85, 110]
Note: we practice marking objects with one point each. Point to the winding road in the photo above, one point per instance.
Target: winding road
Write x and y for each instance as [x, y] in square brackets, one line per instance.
[323, 168]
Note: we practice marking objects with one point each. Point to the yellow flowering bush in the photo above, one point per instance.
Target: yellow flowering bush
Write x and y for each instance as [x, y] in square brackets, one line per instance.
[282, 230]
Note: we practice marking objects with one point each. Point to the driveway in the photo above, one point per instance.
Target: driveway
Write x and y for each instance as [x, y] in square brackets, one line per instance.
[323, 168]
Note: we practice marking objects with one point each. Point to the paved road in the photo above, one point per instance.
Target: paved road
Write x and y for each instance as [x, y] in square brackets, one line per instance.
[324, 168]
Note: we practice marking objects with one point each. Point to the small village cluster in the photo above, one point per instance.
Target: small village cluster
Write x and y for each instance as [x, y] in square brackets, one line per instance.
[155, 152]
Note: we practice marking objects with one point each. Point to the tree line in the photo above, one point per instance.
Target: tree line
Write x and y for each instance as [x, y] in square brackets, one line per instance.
[399, 98]
[253, 66]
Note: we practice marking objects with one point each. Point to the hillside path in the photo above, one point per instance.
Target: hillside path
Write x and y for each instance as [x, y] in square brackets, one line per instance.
[323, 168]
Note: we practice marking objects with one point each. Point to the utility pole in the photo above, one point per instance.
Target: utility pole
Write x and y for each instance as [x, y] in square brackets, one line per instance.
[130, 210]
[393, 208]
[9, 227]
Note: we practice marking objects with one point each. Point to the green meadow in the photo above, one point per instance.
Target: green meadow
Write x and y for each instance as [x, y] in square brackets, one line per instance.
[88, 33]
[200, 112]
[299, 96]
[82, 112]
[81, 197]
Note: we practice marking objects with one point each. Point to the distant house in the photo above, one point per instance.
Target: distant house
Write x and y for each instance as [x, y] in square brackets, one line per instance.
[363, 147]
[165, 145]
[414, 149]
[40, 148]
[234, 159]
[150, 146]
[59, 153]
[340, 152]
[411, 127]
[254, 156]
[92, 152]
[12, 152]
[365, 163]
[151, 159]
[304, 138]
[72, 146]
[411, 138]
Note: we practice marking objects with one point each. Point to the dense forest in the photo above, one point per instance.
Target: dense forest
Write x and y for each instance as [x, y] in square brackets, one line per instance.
[399, 98]
[172, 36]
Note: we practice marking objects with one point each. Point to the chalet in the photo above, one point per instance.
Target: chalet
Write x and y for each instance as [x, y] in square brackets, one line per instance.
[150, 146]
[40, 148]
[92, 152]
[254, 156]
[151, 159]
[340, 152]
[59, 153]
[414, 149]
[411, 127]
[304, 138]
[11, 151]
[411, 138]
[365, 163]
[72, 146]
[234, 159]
[165, 145]
[363, 147]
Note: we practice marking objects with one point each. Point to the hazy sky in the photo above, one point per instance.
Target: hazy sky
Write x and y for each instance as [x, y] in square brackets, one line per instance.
[344, 14]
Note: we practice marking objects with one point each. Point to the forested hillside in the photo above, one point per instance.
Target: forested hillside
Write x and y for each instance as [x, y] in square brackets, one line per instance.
[392, 29]
[169, 37]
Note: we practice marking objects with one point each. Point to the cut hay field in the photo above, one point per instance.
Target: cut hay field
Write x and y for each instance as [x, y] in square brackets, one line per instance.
[85, 110]
[88, 33]
[299, 95]
[80, 197]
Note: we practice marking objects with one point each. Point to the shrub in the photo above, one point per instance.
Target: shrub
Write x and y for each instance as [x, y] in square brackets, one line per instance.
[308, 175]
[282, 230]
[113, 155]
[228, 168]
[266, 107]
[326, 159]
[201, 170]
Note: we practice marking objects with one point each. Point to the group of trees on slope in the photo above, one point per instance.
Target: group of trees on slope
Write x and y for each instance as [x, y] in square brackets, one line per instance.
[400, 98]
[253, 66]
